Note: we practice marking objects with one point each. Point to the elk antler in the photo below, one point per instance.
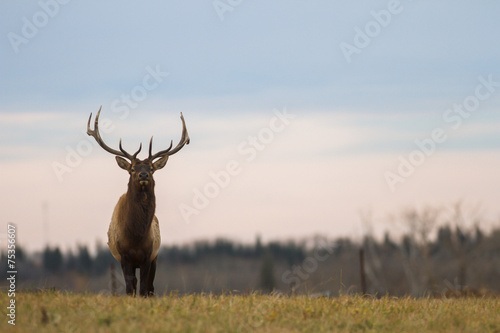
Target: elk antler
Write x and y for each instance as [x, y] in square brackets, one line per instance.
[167, 152]
[95, 133]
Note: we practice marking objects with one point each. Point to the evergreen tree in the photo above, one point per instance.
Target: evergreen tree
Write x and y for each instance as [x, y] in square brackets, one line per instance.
[84, 261]
[267, 280]
[52, 260]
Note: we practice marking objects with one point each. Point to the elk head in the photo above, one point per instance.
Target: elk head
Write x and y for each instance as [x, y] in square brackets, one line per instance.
[141, 171]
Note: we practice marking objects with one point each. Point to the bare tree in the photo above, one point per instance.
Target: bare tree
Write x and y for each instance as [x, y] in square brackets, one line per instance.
[415, 249]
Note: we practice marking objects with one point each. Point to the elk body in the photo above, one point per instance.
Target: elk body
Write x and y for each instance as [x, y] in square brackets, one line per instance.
[134, 232]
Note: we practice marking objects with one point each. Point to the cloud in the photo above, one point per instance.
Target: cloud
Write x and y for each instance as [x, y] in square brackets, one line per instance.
[300, 184]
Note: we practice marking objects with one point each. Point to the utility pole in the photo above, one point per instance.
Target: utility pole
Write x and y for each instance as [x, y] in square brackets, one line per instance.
[45, 222]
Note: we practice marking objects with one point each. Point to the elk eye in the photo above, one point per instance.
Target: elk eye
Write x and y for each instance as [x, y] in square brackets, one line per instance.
[132, 170]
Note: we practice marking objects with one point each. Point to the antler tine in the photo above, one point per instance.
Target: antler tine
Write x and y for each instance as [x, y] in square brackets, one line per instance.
[131, 157]
[97, 136]
[167, 152]
[151, 156]
[138, 151]
[150, 147]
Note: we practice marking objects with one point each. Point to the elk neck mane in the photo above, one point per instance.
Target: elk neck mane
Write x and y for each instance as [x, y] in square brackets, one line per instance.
[139, 209]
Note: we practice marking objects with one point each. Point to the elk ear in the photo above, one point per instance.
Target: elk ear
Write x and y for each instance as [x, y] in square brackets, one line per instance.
[160, 163]
[122, 163]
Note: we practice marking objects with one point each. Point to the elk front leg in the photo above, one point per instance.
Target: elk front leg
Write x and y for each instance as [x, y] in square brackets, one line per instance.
[129, 275]
[145, 278]
[151, 278]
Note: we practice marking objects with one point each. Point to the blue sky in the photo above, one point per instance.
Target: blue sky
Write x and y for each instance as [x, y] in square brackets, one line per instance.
[227, 76]
[286, 49]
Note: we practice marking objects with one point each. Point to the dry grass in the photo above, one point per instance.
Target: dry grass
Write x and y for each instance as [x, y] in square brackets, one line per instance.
[51, 311]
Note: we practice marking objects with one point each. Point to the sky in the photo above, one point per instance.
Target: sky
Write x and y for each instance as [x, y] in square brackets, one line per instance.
[305, 117]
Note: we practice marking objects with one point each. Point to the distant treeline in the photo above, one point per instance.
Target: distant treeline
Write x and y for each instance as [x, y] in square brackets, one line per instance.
[54, 261]
[422, 262]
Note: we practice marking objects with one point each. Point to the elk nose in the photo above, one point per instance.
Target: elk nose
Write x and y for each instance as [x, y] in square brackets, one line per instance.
[143, 175]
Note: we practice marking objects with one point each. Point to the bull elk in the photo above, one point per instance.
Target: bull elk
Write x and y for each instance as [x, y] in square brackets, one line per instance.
[134, 232]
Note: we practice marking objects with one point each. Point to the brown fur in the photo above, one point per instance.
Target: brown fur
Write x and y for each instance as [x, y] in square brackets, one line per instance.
[134, 233]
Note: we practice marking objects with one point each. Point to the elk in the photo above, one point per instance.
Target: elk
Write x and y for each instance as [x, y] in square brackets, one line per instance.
[134, 231]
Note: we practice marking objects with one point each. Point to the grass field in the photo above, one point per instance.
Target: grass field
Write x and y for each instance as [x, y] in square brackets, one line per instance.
[51, 311]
